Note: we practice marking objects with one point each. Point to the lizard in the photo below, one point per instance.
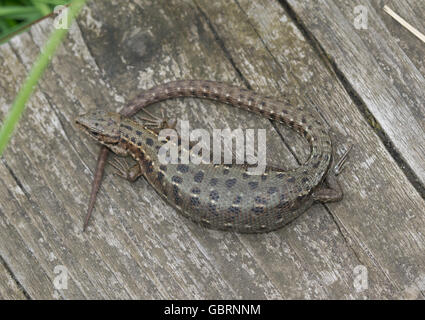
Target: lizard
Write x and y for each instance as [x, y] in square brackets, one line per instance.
[221, 196]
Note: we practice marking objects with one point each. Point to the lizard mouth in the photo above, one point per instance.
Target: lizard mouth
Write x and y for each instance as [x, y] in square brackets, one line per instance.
[80, 125]
[94, 133]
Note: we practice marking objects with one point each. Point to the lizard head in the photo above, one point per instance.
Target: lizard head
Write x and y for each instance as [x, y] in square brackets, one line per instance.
[101, 125]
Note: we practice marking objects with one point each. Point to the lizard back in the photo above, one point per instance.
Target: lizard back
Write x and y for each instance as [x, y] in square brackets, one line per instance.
[221, 196]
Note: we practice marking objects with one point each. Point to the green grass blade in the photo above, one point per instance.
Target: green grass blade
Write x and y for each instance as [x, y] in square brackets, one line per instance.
[53, 2]
[14, 11]
[41, 7]
[36, 72]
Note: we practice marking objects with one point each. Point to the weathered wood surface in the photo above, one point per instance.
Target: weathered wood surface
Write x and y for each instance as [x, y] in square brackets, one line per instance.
[9, 288]
[383, 64]
[139, 247]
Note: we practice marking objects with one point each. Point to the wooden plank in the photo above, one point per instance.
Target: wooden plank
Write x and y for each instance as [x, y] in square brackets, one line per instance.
[139, 247]
[384, 72]
[381, 214]
[9, 289]
[293, 286]
[412, 11]
[128, 253]
[404, 23]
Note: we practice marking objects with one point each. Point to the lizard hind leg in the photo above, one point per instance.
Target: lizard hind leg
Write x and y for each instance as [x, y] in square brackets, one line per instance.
[332, 192]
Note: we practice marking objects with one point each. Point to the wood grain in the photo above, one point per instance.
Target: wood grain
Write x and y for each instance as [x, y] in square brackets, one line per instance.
[384, 73]
[137, 246]
[9, 289]
[313, 86]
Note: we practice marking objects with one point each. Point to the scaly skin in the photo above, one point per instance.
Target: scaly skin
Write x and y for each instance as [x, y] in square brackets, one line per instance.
[218, 196]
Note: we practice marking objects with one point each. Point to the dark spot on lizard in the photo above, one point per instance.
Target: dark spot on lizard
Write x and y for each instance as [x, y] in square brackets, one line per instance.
[291, 180]
[280, 175]
[160, 176]
[258, 209]
[196, 190]
[245, 175]
[226, 171]
[178, 200]
[194, 201]
[237, 200]
[234, 209]
[163, 167]
[177, 179]
[183, 168]
[199, 176]
[283, 204]
[231, 182]
[272, 190]
[149, 167]
[214, 195]
[175, 190]
[253, 184]
[260, 200]
[212, 207]
[213, 181]
[149, 142]
[133, 139]
[139, 133]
